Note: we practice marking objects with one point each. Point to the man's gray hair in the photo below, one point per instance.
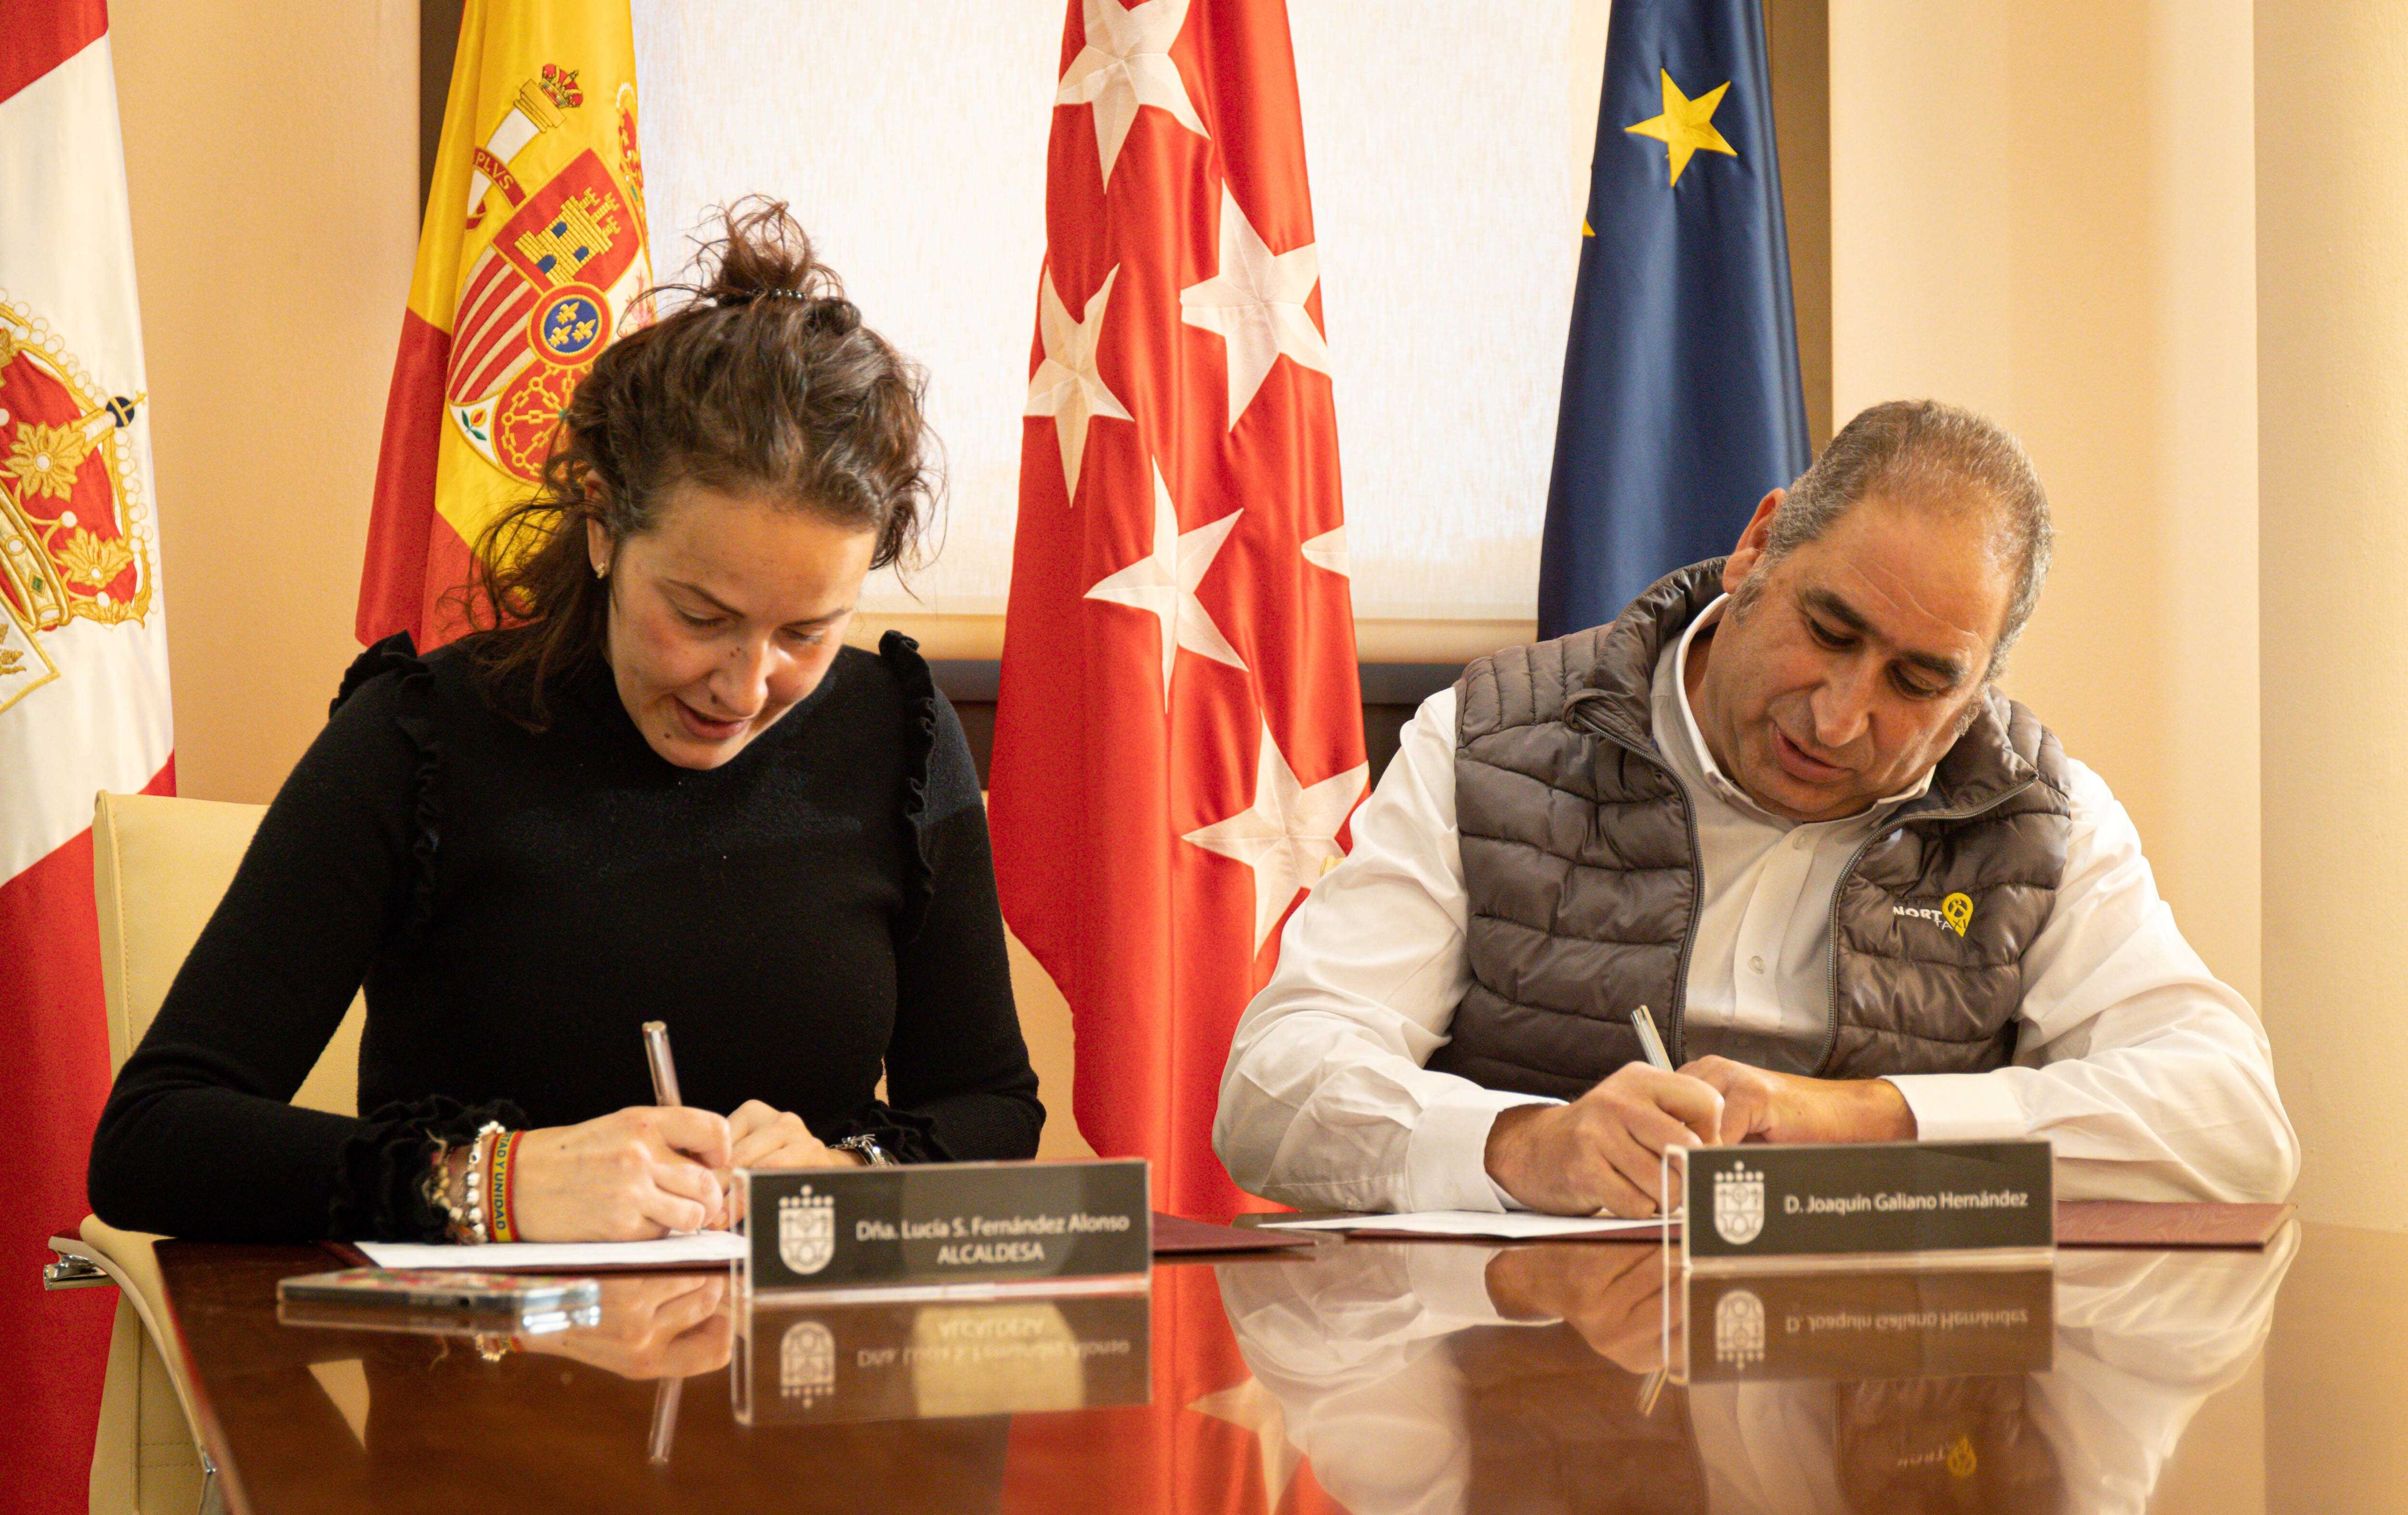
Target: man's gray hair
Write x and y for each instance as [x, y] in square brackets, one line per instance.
[1922, 455]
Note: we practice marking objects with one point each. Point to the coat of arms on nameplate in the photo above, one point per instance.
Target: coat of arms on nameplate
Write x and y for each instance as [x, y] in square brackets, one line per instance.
[1739, 1204]
[806, 1230]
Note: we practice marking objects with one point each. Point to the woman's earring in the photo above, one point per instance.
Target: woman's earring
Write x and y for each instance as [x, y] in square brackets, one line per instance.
[601, 570]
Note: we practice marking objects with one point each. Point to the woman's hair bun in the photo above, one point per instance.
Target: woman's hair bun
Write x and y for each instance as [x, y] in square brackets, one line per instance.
[762, 251]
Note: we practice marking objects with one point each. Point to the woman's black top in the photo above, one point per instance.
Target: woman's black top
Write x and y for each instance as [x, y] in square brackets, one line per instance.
[816, 911]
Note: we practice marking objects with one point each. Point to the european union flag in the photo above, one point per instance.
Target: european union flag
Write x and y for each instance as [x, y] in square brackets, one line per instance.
[1680, 404]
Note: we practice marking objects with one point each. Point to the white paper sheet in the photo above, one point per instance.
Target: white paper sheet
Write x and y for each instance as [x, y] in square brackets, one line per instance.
[1511, 1226]
[704, 1249]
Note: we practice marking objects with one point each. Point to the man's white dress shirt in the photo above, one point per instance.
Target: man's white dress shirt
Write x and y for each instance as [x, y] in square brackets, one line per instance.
[2154, 1079]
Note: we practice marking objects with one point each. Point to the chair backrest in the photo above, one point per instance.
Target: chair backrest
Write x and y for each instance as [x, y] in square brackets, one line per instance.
[158, 867]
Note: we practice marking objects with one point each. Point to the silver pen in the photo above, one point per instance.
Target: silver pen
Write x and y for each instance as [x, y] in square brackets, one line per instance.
[665, 1091]
[1652, 1045]
[657, 1052]
[1640, 1021]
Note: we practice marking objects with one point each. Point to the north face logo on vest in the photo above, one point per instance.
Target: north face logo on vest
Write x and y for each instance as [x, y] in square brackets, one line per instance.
[1955, 914]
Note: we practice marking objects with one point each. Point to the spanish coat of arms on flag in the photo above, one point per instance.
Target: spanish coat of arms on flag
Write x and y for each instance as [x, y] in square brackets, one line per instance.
[530, 260]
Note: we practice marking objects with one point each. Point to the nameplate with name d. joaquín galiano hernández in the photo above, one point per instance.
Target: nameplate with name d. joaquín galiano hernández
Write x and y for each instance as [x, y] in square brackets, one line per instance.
[1942, 1201]
[947, 1228]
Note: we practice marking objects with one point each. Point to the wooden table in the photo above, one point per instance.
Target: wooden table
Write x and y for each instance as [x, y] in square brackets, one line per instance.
[1363, 1376]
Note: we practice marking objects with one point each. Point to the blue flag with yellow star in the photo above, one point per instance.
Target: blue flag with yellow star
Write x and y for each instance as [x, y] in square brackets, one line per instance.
[1681, 403]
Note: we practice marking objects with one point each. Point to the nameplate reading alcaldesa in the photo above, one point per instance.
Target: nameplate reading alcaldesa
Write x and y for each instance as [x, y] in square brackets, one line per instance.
[947, 1227]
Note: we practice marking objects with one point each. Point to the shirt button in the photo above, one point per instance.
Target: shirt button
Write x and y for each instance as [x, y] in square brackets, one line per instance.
[1755, 965]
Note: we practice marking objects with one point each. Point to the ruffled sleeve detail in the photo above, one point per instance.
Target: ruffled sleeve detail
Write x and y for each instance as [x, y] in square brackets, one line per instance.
[941, 782]
[398, 656]
[395, 654]
[379, 1192]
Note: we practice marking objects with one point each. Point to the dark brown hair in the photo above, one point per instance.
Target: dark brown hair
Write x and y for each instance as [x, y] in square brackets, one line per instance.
[1926, 454]
[763, 380]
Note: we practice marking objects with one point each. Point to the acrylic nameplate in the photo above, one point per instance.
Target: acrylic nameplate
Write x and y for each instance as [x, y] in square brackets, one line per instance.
[809, 1363]
[1835, 1326]
[1940, 1201]
[947, 1228]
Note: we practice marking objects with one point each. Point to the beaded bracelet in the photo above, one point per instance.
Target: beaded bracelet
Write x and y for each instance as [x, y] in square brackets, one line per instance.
[475, 1182]
[504, 1173]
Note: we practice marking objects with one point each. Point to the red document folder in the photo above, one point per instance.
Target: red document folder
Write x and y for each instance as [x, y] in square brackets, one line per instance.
[2166, 1227]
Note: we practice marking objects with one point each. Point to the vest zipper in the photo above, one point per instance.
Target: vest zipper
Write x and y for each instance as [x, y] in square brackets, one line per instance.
[1688, 937]
[1680, 1007]
[1831, 921]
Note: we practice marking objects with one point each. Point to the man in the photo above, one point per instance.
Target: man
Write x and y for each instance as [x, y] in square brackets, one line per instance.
[1780, 802]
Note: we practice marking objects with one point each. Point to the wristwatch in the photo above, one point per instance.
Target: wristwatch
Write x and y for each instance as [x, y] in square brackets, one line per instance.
[871, 1153]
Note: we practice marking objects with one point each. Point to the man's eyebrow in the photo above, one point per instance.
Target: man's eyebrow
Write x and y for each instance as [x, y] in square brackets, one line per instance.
[1837, 609]
[700, 593]
[1826, 603]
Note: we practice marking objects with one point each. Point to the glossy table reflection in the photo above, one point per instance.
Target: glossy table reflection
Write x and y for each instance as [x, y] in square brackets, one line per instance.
[1370, 1378]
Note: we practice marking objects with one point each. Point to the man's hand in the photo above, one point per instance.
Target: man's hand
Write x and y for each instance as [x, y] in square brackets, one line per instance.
[1605, 1151]
[1759, 1106]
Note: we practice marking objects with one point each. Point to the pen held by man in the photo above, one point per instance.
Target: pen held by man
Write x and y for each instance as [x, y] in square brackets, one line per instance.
[1604, 1150]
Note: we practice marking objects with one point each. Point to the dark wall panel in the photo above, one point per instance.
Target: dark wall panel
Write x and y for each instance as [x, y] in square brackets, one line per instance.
[1391, 693]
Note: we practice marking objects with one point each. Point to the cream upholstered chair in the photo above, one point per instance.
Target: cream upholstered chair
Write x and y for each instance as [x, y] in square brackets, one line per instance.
[158, 867]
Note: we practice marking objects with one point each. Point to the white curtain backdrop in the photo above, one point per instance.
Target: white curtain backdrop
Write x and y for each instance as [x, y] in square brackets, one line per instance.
[1448, 144]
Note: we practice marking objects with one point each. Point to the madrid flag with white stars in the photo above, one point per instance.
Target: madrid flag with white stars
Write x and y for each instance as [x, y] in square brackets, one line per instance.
[1179, 742]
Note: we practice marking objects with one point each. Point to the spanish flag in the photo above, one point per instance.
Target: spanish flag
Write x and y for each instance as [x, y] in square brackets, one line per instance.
[530, 260]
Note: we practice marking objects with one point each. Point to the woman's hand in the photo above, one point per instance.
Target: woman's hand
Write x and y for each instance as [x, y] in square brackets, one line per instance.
[763, 1136]
[635, 1174]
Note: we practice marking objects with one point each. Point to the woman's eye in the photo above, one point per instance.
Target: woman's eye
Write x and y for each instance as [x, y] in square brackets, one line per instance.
[697, 622]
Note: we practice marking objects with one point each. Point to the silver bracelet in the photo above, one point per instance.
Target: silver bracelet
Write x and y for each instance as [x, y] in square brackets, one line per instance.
[871, 1153]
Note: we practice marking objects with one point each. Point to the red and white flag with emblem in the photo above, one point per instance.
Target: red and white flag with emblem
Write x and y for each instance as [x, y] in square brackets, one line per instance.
[83, 681]
[1179, 742]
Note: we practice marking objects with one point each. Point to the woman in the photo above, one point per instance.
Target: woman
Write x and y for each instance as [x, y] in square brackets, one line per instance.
[655, 787]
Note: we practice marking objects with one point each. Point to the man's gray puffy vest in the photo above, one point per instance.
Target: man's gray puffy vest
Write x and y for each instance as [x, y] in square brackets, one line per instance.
[1581, 858]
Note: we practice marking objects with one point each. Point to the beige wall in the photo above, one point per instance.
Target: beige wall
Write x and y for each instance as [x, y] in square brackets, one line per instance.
[271, 155]
[2333, 409]
[2043, 210]
[2048, 210]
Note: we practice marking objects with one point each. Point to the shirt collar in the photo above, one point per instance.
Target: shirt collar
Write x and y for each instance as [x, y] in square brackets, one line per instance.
[1703, 757]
